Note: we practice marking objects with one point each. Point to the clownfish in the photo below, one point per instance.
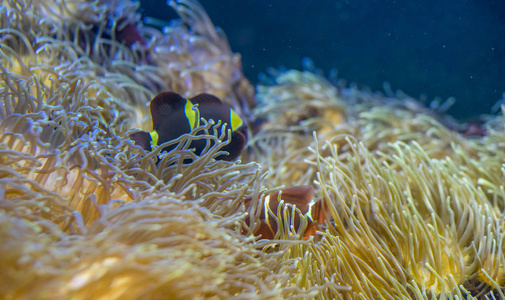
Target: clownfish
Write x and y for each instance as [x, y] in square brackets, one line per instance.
[299, 196]
[174, 115]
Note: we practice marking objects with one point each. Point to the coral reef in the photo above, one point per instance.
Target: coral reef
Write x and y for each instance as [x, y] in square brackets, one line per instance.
[416, 208]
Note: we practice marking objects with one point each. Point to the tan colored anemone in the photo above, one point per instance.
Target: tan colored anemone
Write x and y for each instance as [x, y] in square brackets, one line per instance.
[84, 212]
[300, 101]
[416, 208]
[196, 57]
[409, 232]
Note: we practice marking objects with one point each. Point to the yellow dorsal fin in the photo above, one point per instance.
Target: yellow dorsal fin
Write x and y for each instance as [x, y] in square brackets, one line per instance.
[189, 111]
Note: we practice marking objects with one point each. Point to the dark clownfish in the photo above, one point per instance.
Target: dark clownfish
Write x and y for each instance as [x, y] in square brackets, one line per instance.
[299, 196]
[174, 115]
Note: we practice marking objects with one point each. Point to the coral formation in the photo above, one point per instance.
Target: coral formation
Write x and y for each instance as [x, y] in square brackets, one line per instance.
[416, 209]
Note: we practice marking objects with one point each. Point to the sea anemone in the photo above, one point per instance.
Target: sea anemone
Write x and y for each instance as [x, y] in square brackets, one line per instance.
[416, 209]
[84, 212]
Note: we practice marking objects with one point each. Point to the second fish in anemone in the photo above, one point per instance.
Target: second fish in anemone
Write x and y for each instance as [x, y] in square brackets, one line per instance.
[300, 197]
[174, 115]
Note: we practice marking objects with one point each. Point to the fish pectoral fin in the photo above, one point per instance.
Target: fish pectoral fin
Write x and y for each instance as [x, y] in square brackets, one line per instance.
[205, 98]
[142, 139]
[165, 104]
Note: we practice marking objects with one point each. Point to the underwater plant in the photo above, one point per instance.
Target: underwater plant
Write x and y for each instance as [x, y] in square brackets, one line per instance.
[381, 200]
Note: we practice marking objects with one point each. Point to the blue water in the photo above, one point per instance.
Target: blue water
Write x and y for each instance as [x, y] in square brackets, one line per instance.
[434, 48]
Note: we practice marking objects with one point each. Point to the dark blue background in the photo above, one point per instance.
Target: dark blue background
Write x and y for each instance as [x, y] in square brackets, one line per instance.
[432, 47]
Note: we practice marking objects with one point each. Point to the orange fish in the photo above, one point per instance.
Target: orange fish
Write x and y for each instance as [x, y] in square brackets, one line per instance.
[299, 196]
